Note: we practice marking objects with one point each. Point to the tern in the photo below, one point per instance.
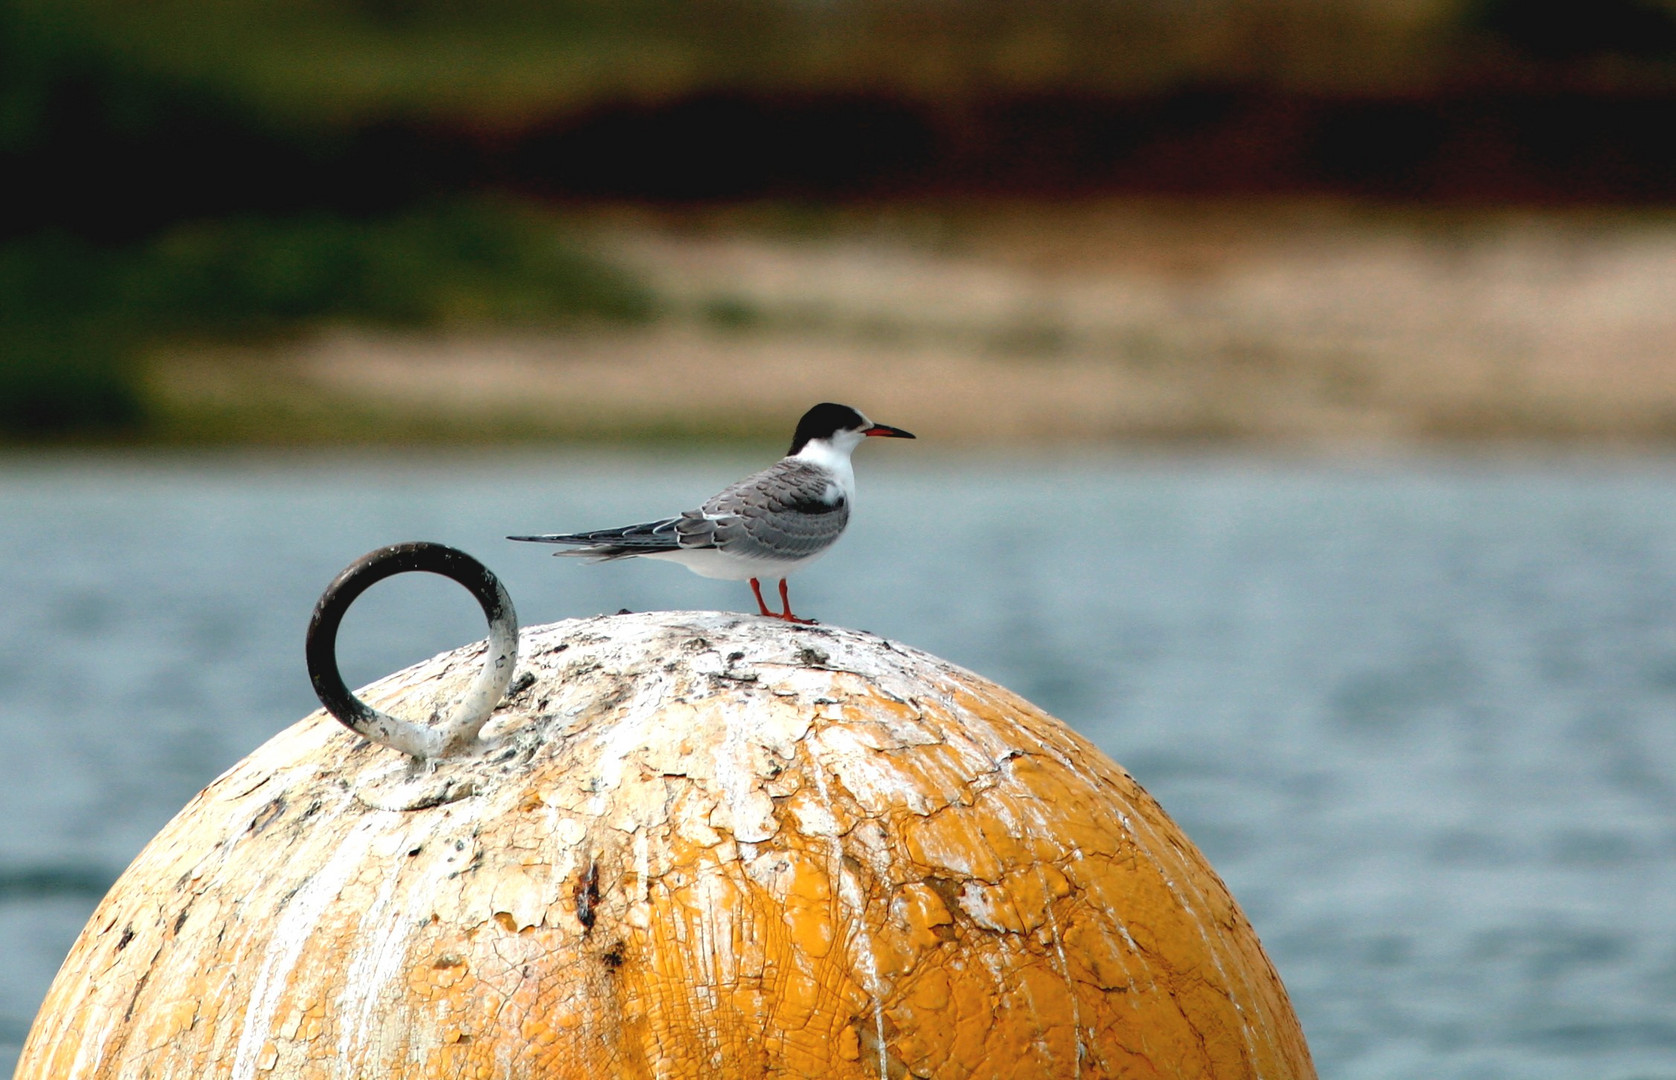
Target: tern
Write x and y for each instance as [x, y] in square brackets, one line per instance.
[766, 526]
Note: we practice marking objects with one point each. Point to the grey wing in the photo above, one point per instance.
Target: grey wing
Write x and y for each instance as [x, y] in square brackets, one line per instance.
[648, 538]
[790, 510]
[688, 530]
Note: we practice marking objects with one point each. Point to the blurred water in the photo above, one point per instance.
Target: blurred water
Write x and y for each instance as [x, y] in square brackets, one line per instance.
[1418, 713]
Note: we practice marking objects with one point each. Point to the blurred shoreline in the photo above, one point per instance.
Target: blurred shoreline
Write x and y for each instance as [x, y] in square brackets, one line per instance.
[1283, 322]
[1277, 222]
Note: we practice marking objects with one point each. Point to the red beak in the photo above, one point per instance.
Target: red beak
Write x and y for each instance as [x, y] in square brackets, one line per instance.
[888, 432]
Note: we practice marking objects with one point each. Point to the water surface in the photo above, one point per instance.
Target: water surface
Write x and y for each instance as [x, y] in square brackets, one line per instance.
[1418, 713]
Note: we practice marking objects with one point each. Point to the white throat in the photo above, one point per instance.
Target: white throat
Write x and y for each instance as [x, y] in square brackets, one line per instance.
[834, 456]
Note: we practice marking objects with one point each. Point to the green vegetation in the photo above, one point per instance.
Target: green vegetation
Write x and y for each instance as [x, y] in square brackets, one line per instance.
[154, 196]
[452, 263]
[77, 312]
[504, 64]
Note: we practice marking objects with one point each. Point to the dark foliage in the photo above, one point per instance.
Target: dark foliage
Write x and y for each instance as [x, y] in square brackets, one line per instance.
[1569, 30]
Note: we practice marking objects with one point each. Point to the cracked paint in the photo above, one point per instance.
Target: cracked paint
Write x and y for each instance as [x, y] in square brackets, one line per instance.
[691, 845]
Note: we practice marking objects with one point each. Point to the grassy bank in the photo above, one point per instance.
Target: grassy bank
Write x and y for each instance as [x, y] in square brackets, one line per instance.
[82, 315]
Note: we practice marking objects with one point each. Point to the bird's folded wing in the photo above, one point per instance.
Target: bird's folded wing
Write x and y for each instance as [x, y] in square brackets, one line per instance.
[643, 539]
[790, 510]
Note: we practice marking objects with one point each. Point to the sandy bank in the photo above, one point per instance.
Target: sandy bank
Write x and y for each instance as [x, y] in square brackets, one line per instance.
[1282, 322]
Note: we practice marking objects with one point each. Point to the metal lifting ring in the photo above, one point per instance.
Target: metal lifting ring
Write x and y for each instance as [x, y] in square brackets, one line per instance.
[479, 702]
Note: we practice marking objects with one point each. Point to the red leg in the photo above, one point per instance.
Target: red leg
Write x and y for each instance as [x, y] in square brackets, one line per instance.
[756, 589]
[785, 604]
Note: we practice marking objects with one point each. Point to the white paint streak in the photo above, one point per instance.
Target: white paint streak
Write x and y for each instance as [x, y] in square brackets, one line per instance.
[877, 785]
[750, 810]
[849, 894]
[629, 731]
[1064, 969]
[290, 935]
[380, 948]
[90, 1054]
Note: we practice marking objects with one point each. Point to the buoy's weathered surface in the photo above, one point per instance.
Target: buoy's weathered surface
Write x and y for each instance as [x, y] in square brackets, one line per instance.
[696, 845]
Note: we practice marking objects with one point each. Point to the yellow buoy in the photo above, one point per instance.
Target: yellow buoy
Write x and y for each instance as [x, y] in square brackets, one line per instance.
[687, 845]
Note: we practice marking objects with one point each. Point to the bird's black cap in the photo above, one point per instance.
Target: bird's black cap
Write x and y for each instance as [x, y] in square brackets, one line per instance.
[824, 421]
